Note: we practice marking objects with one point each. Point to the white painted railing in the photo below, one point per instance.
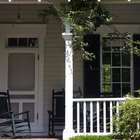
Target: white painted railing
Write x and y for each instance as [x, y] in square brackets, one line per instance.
[94, 116]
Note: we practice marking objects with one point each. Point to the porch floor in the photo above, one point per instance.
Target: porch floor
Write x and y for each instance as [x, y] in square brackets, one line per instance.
[40, 139]
[47, 138]
[35, 138]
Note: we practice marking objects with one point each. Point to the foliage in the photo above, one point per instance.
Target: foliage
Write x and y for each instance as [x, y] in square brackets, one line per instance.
[83, 17]
[91, 138]
[128, 45]
[127, 120]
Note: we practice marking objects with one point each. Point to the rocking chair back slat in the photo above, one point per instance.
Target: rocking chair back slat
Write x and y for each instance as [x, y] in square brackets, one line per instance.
[57, 114]
[4, 105]
[58, 104]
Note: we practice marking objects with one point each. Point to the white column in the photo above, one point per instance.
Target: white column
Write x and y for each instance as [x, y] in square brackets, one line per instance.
[68, 131]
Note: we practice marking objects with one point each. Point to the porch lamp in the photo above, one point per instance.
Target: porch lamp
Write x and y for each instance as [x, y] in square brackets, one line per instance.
[18, 20]
[9, 0]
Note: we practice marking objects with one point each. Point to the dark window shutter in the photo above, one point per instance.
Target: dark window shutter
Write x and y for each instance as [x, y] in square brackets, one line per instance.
[92, 68]
[136, 63]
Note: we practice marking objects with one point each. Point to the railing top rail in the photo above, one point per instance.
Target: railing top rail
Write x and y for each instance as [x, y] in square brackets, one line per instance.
[98, 99]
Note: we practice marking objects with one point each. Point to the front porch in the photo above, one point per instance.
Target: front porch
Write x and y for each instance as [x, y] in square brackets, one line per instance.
[84, 116]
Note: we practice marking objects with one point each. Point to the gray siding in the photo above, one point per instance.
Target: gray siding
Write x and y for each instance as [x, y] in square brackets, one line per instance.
[54, 65]
[124, 13]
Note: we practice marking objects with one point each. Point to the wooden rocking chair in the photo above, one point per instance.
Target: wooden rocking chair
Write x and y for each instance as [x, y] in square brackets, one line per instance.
[10, 124]
[57, 114]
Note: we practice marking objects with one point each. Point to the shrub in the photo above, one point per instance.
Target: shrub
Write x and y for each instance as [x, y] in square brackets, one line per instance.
[126, 122]
[91, 138]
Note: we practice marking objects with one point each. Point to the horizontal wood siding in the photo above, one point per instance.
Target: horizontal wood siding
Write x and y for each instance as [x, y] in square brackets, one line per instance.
[124, 13]
[54, 65]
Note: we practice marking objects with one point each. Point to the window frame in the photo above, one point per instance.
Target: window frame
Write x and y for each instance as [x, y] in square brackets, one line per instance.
[130, 67]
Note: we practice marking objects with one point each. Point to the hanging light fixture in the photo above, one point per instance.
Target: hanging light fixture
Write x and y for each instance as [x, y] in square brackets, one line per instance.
[18, 14]
[9, 0]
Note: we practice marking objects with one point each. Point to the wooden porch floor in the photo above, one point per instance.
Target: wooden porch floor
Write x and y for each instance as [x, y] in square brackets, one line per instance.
[34, 138]
[47, 138]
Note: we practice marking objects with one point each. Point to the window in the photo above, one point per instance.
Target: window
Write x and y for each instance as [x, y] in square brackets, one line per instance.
[23, 42]
[116, 67]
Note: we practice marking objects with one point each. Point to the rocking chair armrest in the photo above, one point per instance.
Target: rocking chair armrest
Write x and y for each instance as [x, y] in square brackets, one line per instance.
[21, 113]
[5, 113]
[50, 112]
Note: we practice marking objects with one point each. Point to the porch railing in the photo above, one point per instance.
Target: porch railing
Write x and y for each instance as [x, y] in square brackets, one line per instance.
[94, 116]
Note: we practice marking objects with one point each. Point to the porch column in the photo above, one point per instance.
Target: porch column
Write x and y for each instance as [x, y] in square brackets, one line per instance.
[68, 131]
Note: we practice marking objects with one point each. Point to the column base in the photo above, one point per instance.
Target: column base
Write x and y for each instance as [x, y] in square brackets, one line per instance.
[68, 133]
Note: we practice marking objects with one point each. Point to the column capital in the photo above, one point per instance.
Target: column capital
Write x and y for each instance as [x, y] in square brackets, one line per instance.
[67, 36]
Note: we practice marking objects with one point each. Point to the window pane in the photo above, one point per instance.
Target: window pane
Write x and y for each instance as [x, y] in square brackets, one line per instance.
[117, 90]
[22, 42]
[116, 75]
[33, 42]
[21, 72]
[115, 59]
[126, 59]
[125, 89]
[12, 42]
[125, 75]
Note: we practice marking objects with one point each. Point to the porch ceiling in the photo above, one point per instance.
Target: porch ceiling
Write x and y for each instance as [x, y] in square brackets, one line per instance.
[120, 1]
[124, 13]
[21, 13]
[30, 1]
[58, 1]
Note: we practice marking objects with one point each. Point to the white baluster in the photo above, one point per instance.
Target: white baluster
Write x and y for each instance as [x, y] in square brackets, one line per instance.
[117, 110]
[104, 116]
[98, 117]
[111, 120]
[84, 117]
[78, 118]
[91, 117]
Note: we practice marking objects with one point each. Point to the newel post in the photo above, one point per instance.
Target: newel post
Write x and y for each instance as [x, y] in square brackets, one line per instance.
[68, 131]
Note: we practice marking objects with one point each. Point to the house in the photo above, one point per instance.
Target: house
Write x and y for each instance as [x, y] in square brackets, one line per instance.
[32, 59]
